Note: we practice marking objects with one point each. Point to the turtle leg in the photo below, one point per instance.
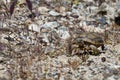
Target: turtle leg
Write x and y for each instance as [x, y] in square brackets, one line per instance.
[94, 50]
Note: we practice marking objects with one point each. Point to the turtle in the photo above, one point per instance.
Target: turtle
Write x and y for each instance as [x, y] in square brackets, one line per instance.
[87, 42]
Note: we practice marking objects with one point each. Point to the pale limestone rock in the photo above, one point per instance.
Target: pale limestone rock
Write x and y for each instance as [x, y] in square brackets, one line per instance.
[54, 13]
[4, 75]
[34, 27]
[50, 25]
[43, 10]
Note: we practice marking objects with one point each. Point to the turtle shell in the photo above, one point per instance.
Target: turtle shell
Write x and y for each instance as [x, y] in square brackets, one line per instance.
[90, 38]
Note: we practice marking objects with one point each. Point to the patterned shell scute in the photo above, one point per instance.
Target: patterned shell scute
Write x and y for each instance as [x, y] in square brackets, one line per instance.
[90, 38]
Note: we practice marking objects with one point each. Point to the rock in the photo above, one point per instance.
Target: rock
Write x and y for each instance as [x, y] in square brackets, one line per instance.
[45, 37]
[50, 49]
[4, 75]
[63, 33]
[117, 48]
[4, 1]
[21, 1]
[34, 27]
[43, 10]
[63, 59]
[4, 25]
[3, 40]
[1, 24]
[39, 22]
[118, 6]
[53, 13]
[62, 78]
[50, 25]
[62, 9]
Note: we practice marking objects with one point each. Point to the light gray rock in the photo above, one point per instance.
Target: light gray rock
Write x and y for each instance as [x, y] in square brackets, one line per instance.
[4, 75]
[53, 13]
[50, 25]
[50, 48]
[34, 27]
[43, 10]
[63, 32]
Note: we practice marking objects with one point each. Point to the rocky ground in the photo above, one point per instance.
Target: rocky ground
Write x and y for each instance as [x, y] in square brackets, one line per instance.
[39, 45]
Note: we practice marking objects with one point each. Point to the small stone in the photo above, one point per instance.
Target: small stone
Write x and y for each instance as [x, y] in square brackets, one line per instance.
[62, 78]
[103, 59]
[62, 9]
[34, 27]
[63, 33]
[4, 75]
[43, 10]
[50, 49]
[53, 13]
[50, 25]
[63, 59]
